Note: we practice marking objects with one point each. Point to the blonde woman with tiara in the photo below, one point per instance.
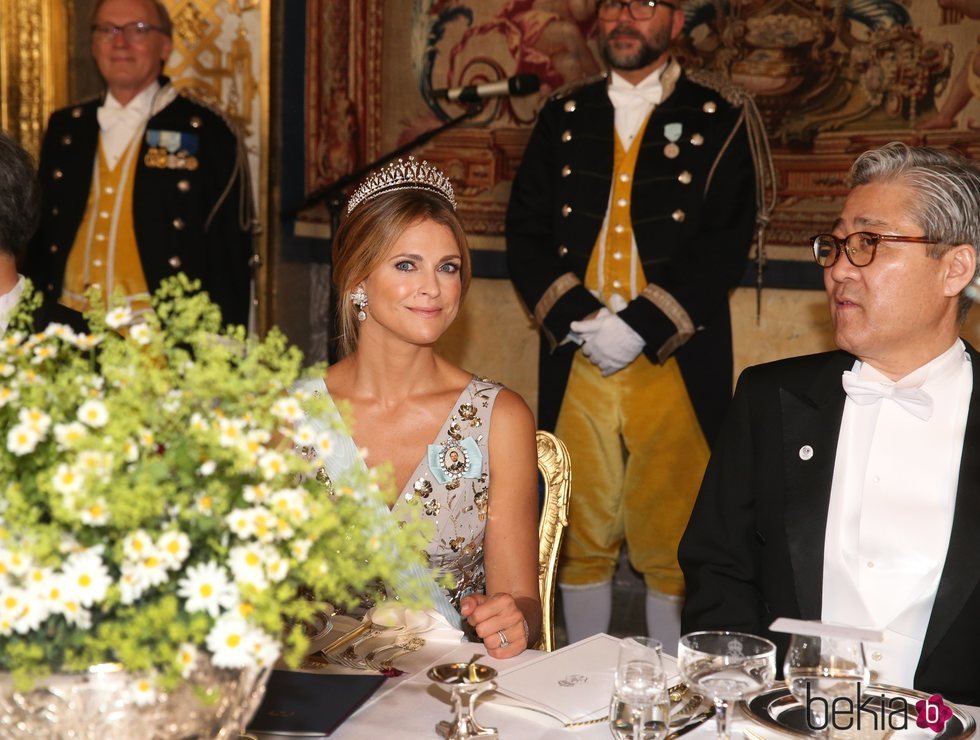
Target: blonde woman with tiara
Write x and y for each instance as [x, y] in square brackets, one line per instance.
[461, 448]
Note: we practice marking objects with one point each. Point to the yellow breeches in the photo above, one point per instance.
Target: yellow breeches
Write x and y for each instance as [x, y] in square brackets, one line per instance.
[638, 456]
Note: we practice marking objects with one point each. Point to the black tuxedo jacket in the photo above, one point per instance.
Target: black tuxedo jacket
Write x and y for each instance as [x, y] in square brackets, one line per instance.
[753, 549]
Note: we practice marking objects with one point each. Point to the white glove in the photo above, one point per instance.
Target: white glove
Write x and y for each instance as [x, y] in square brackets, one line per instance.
[608, 341]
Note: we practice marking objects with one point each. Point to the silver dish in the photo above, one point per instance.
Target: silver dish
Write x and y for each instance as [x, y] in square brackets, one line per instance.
[779, 710]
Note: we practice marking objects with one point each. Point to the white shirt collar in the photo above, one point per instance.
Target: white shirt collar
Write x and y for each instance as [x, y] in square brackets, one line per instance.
[936, 368]
[8, 301]
[651, 81]
[142, 103]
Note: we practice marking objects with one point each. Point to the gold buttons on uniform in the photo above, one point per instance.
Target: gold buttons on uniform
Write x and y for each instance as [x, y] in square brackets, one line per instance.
[622, 202]
[566, 210]
[709, 107]
[678, 215]
[566, 171]
[174, 262]
[569, 106]
[100, 237]
[697, 139]
[65, 140]
[103, 214]
[55, 211]
[195, 122]
[57, 174]
[624, 177]
[617, 255]
[619, 228]
[566, 136]
[684, 178]
[96, 263]
[109, 190]
[76, 112]
[178, 224]
[184, 185]
[562, 250]
[617, 284]
[53, 248]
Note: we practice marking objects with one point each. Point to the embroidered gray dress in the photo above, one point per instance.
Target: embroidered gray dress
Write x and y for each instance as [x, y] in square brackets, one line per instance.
[449, 487]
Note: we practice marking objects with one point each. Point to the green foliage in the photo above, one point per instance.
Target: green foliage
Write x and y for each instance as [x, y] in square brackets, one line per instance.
[138, 456]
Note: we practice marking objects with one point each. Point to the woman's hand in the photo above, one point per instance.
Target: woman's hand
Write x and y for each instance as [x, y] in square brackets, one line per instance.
[494, 617]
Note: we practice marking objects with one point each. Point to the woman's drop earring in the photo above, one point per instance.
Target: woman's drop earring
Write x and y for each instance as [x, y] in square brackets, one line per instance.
[360, 300]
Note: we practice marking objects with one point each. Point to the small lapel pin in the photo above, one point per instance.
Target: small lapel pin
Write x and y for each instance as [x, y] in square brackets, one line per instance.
[806, 452]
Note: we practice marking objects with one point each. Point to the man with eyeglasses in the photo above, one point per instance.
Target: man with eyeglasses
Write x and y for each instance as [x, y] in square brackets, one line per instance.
[142, 182]
[845, 486]
[629, 222]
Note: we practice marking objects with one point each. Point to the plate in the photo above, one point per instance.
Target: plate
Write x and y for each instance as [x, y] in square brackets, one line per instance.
[886, 707]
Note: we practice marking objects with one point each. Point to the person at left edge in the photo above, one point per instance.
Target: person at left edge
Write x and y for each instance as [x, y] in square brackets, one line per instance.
[142, 182]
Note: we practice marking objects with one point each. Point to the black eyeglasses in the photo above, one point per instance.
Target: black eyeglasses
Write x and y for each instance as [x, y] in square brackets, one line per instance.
[640, 10]
[860, 247]
[134, 32]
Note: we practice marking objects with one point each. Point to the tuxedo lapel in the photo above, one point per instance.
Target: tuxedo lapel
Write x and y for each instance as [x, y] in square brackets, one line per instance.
[961, 572]
[811, 426]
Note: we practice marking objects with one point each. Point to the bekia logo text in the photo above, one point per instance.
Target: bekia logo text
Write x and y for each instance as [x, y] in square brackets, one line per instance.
[875, 711]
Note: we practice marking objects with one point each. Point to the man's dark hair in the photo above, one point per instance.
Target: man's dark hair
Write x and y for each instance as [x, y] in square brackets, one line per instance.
[19, 197]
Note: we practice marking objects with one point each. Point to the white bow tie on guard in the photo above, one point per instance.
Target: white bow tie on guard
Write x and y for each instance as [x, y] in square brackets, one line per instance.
[865, 392]
[625, 96]
[110, 116]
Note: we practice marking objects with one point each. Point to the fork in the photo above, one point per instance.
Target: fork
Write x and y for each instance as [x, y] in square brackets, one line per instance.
[399, 649]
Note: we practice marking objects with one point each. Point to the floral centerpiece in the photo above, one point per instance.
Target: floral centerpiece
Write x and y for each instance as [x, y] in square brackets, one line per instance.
[161, 507]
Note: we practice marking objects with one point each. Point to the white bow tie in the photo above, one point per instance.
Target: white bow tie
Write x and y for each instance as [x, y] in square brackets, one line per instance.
[865, 392]
[111, 115]
[631, 96]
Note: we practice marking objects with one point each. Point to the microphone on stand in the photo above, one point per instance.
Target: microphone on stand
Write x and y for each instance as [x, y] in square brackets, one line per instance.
[516, 86]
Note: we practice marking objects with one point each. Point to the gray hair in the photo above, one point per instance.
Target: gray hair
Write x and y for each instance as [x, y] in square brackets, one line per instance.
[948, 189]
[165, 23]
[19, 197]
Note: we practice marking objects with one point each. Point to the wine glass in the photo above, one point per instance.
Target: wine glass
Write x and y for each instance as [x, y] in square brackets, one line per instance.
[820, 669]
[726, 667]
[639, 709]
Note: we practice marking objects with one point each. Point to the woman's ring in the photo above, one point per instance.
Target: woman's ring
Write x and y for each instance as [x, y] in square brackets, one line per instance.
[504, 642]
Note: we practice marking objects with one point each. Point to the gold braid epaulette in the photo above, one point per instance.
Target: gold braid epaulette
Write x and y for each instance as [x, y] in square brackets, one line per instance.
[569, 87]
[731, 92]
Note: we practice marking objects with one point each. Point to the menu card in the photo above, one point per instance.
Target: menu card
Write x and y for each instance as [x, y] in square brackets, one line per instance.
[572, 684]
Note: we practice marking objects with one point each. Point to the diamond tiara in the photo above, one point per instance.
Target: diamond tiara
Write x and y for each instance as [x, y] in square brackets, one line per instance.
[403, 175]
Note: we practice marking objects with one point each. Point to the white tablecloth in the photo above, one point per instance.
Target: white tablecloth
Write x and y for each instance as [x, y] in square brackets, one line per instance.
[410, 707]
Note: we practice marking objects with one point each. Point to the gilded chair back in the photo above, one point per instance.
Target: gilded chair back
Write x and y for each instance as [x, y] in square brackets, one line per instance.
[556, 469]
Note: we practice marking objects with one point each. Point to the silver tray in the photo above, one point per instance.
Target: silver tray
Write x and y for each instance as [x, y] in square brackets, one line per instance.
[779, 710]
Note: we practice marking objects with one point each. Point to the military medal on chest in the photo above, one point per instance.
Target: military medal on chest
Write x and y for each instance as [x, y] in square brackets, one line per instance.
[672, 132]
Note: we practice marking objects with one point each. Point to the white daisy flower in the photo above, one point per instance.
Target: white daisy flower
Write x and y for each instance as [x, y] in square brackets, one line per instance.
[13, 601]
[11, 341]
[131, 451]
[247, 565]
[151, 570]
[86, 341]
[7, 395]
[147, 438]
[62, 331]
[67, 480]
[93, 413]
[118, 317]
[231, 432]
[136, 545]
[272, 464]
[264, 524]
[95, 513]
[75, 614]
[131, 587]
[85, 578]
[325, 445]
[44, 352]
[186, 658]
[277, 568]
[141, 333]
[207, 468]
[288, 409]
[68, 435]
[38, 582]
[262, 647]
[143, 691]
[305, 436]
[14, 563]
[173, 546]
[206, 588]
[241, 522]
[204, 503]
[256, 494]
[31, 613]
[6, 369]
[35, 419]
[22, 440]
[227, 642]
[29, 377]
[198, 423]
[300, 549]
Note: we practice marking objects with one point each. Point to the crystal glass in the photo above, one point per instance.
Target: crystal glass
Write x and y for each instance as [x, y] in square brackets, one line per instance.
[726, 667]
[639, 709]
[820, 669]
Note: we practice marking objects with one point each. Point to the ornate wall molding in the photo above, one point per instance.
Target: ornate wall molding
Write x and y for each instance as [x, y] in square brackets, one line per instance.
[33, 69]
